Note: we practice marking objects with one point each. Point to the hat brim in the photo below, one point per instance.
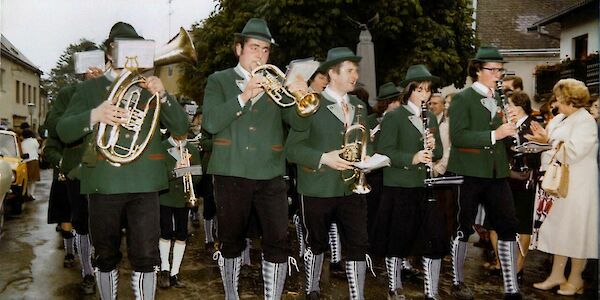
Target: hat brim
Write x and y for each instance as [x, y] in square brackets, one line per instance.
[501, 60]
[329, 63]
[258, 37]
[432, 78]
[386, 97]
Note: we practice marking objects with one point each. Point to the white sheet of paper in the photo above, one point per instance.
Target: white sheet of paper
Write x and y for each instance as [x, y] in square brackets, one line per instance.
[304, 67]
[374, 162]
[85, 60]
[141, 51]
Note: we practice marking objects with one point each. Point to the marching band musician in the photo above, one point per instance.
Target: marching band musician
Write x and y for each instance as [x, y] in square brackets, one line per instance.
[173, 210]
[325, 197]
[247, 160]
[116, 191]
[404, 225]
[479, 154]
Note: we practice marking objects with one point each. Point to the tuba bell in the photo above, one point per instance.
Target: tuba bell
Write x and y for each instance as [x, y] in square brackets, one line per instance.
[306, 103]
[125, 92]
[356, 151]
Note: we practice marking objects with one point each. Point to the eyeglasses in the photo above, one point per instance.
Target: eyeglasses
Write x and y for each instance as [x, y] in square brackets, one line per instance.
[495, 70]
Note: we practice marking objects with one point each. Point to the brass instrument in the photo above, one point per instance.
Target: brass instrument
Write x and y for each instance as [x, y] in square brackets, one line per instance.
[356, 151]
[306, 103]
[188, 184]
[125, 92]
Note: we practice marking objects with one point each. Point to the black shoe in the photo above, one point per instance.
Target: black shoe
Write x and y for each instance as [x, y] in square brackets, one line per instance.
[209, 247]
[398, 294]
[88, 285]
[69, 261]
[409, 274]
[314, 295]
[462, 291]
[163, 279]
[515, 296]
[176, 281]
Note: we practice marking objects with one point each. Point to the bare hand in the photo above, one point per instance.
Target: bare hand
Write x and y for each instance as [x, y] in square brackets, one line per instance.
[298, 85]
[506, 129]
[154, 85]
[423, 156]
[93, 72]
[512, 115]
[253, 88]
[108, 113]
[333, 160]
[539, 133]
[430, 141]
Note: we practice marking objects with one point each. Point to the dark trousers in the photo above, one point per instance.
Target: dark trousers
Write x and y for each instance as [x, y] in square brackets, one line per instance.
[143, 230]
[496, 197]
[79, 207]
[375, 180]
[237, 198]
[350, 215]
[173, 223]
[209, 208]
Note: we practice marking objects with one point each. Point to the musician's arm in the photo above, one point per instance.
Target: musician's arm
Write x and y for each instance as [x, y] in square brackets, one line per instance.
[173, 116]
[218, 112]
[460, 134]
[75, 122]
[299, 152]
[387, 143]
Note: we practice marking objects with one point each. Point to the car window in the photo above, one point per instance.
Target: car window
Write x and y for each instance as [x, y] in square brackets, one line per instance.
[7, 145]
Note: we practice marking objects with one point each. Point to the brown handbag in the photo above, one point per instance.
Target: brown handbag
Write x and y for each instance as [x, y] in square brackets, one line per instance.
[556, 179]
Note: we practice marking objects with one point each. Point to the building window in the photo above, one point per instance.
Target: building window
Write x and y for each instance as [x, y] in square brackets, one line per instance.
[24, 95]
[18, 92]
[2, 71]
[581, 46]
[29, 99]
[170, 71]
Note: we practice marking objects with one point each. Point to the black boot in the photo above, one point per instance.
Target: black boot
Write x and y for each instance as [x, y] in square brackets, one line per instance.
[163, 279]
[175, 281]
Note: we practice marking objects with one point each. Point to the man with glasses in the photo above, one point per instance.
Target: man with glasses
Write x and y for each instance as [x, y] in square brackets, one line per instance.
[478, 152]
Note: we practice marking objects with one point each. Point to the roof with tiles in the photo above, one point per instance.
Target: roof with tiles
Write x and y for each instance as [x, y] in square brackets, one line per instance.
[10, 51]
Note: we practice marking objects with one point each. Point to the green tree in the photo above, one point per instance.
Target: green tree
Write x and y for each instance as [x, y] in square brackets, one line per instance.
[63, 74]
[405, 32]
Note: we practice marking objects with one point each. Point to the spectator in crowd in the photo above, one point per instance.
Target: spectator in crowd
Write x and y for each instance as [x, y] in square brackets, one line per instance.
[31, 147]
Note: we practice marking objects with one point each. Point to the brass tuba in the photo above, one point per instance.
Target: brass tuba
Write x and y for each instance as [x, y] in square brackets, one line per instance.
[126, 93]
[306, 103]
[356, 151]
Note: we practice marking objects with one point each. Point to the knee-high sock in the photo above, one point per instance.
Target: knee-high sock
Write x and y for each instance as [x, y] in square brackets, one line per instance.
[355, 271]
[432, 276]
[85, 253]
[313, 265]
[246, 253]
[164, 247]
[230, 274]
[68, 242]
[274, 279]
[300, 235]
[394, 269]
[334, 244]
[144, 285]
[208, 231]
[107, 283]
[31, 188]
[507, 253]
[459, 252]
[178, 250]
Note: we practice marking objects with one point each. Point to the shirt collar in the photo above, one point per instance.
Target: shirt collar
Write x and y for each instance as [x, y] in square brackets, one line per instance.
[481, 89]
[176, 143]
[241, 71]
[415, 110]
[336, 96]
[111, 74]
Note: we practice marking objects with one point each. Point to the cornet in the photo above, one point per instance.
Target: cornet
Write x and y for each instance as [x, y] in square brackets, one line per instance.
[306, 103]
[188, 184]
[354, 152]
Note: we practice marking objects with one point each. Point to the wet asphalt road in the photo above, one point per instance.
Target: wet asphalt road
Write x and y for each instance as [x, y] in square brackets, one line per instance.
[31, 259]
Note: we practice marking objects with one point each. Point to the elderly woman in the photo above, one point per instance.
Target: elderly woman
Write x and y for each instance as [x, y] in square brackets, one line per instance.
[570, 229]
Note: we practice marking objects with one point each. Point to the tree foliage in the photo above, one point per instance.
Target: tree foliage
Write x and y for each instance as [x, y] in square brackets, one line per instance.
[405, 32]
[63, 74]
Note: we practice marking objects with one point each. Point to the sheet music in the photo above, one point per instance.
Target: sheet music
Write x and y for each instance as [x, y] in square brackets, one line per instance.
[141, 50]
[85, 60]
[304, 68]
[374, 162]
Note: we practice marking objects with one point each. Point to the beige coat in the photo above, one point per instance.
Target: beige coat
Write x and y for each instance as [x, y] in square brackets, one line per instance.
[571, 228]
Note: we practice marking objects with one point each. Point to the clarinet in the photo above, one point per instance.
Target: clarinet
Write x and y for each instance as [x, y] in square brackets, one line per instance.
[428, 166]
[504, 100]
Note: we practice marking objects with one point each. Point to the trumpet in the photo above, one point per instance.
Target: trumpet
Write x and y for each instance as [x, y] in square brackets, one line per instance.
[354, 152]
[306, 103]
[188, 184]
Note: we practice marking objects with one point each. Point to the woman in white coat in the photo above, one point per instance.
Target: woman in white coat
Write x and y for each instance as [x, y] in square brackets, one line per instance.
[571, 227]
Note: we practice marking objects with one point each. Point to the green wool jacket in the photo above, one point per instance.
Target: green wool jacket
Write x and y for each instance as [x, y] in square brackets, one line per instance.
[324, 134]
[174, 195]
[53, 149]
[471, 124]
[72, 152]
[98, 176]
[372, 122]
[247, 141]
[400, 139]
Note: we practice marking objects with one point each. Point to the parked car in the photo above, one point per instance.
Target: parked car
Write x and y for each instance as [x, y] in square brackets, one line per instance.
[6, 178]
[10, 152]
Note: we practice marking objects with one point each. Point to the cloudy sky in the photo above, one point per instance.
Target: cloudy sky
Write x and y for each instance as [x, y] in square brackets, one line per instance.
[42, 29]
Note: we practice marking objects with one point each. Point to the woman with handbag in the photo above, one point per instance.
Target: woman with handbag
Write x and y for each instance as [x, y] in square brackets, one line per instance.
[570, 230]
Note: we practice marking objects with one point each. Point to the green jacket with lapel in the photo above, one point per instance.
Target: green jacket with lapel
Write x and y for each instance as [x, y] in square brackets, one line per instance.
[174, 195]
[247, 141]
[471, 124]
[400, 139]
[145, 174]
[372, 122]
[324, 133]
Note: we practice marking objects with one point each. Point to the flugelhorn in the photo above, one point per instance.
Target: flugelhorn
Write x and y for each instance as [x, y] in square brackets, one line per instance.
[125, 92]
[306, 103]
[188, 183]
[356, 151]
